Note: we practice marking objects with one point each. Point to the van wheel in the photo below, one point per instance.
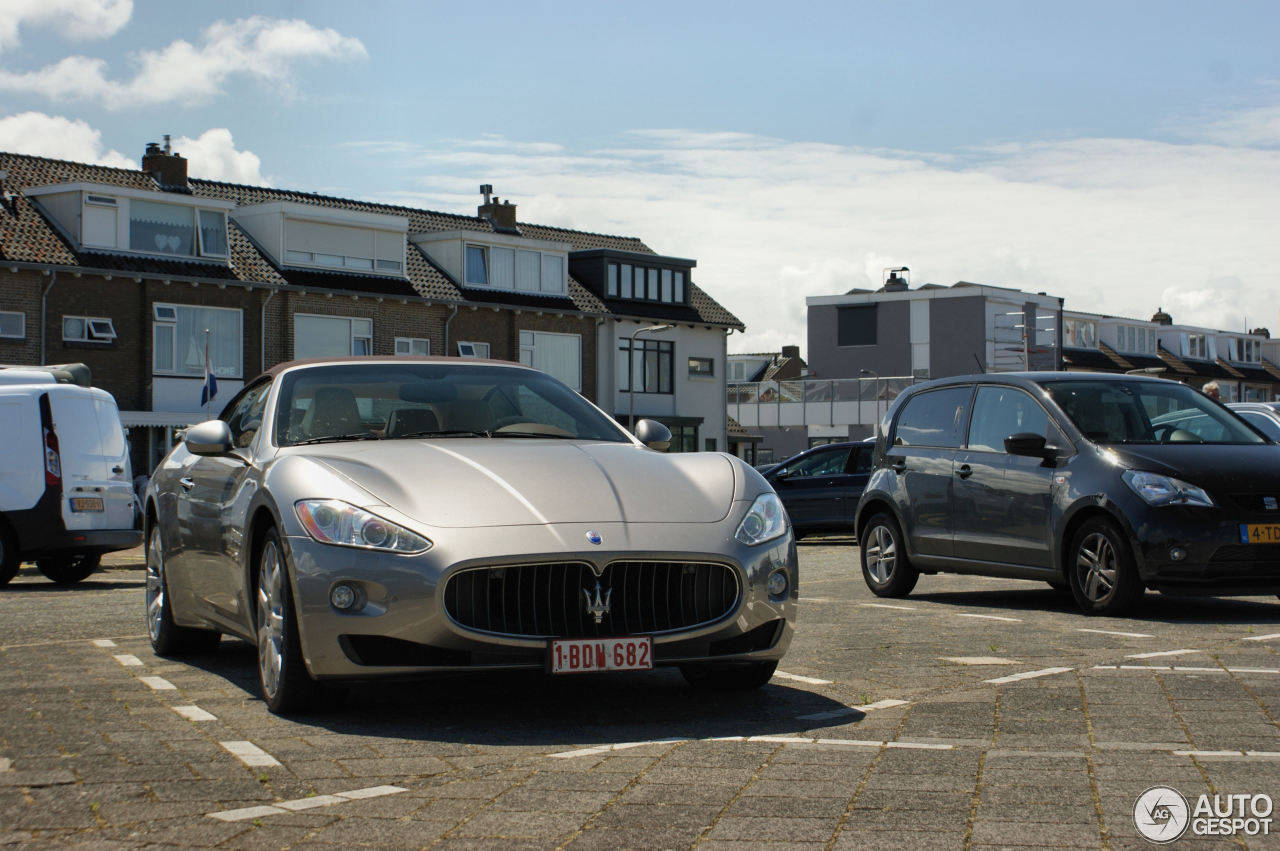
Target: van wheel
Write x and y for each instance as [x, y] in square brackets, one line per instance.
[1104, 579]
[167, 638]
[885, 565]
[10, 561]
[728, 676]
[68, 570]
[286, 684]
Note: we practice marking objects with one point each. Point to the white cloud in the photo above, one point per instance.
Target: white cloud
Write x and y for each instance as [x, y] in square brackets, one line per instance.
[81, 19]
[1116, 226]
[257, 47]
[213, 156]
[1259, 127]
[58, 138]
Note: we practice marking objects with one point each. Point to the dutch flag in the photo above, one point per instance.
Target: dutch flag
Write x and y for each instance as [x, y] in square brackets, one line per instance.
[210, 386]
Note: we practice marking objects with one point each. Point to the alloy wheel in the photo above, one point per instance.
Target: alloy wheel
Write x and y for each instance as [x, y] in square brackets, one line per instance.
[271, 634]
[155, 585]
[882, 554]
[1097, 565]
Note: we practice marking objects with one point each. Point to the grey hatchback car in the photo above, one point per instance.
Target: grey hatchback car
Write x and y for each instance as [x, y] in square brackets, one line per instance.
[1101, 483]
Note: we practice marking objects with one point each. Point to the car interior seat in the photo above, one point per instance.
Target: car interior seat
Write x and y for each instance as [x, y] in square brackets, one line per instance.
[333, 411]
[404, 421]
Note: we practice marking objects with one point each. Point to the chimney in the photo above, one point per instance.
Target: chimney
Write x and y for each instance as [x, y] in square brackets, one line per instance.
[1161, 318]
[500, 214]
[791, 352]
[894, 283]
[169, 169]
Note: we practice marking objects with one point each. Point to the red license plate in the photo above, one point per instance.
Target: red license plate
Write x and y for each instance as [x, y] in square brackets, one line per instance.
[589, 655]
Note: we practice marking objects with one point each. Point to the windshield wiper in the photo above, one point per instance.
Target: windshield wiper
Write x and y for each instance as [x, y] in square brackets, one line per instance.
[551, 435]
[336, 438]
[447, 433]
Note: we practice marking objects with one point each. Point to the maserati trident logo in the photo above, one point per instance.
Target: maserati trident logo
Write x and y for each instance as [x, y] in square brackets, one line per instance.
[594, 537]
[598, 607]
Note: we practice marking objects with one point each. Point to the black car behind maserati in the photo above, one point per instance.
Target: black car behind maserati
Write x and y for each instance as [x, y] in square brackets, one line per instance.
[1105, 484]
[820, 486]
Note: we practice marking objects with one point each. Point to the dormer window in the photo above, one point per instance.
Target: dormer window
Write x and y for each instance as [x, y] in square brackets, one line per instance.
[332, 239]
[119, 219]
[645, 283]
[499, 261]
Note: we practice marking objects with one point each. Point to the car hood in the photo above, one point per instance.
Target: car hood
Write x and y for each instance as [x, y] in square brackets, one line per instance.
[513, 482]
[1240, 469]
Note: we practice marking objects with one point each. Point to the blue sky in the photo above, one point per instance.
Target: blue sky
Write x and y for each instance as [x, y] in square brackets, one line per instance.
[1123, 155]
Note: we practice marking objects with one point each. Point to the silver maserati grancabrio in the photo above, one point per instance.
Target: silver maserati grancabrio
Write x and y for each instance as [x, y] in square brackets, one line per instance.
[358, 518]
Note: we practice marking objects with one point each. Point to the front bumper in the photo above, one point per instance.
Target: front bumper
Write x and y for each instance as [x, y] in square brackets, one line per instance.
[1214, 560]
[403, 627]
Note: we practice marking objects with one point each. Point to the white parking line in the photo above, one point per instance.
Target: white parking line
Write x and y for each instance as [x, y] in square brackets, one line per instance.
[128, 660]
[1270, 637]
[852, 710]
[158, 683]
[1232, 754]
[1161, 653]
[1186, 669]
[1113, 632]
[1027, 675]
[978, 660]
[811, 680]
[782, 740]
[621, 746]
[887, 606]
[104, 643]
[283, 807]
[194, 713]
[249, 753]
[989, 617]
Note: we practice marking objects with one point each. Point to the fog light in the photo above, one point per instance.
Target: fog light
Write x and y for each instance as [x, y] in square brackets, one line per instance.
[1177, 553]
[343, 596]
[778, 583]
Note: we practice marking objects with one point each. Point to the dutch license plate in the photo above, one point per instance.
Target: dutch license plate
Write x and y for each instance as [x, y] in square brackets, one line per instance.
[1260, 533]
[584, 655]
[86, 503]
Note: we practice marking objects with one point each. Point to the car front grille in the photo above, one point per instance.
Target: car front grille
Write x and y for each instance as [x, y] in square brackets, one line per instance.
[567, 600]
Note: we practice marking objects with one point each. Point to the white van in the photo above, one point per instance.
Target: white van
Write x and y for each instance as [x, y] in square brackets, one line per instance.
[66, 490]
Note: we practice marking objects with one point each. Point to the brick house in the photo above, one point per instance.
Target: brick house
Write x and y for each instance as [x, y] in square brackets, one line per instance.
[139, 273]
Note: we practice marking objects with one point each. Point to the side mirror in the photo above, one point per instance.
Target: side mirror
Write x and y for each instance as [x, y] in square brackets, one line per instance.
[1026, 443]
[209, 438]
[654, 435]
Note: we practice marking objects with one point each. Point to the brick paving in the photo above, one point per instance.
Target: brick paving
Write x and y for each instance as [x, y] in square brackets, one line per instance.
[90, 755]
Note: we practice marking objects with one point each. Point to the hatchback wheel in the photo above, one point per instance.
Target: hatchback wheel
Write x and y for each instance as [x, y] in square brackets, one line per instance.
[286, 685]
[1104, 579]
[167, 638]
[885, 565]
[68, 570]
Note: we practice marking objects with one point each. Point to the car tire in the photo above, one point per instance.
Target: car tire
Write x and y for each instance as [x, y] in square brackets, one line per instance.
[286, 685]
[729, 676]
[1104, 578]
[885, 566]
[68, 570]
[10, 561]
[167, 638]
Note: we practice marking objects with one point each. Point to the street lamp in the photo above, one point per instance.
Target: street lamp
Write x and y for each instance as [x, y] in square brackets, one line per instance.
[631, 370]
[872, 372]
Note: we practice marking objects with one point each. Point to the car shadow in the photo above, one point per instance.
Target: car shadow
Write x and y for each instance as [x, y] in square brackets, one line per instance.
[1152, 607]
[532, 709]
[96, 582]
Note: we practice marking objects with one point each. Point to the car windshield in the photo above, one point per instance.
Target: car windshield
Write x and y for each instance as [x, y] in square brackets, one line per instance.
[1147, 412]
[392, 401]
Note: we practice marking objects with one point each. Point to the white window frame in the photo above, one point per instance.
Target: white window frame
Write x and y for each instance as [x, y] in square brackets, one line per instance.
[352, 336]
[1197, 346]
[105, 331]
[468, 349]
[537, 280]
[404, 346]
[22, 325]
[711, 367]
[165, 315]
[529, 355]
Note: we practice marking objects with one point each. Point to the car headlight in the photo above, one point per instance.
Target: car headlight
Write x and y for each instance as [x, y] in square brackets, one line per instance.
[1165, 490]
[765, 521]
[331, 521]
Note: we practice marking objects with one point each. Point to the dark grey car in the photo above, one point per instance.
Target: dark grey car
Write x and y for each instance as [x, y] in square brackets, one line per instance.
[1106, 484]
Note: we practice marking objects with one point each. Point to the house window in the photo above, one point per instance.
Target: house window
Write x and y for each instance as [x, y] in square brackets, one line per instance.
[412, 346]
[1247, 350]
[477, 265]
[702, 367]
[1080, 333]
[178, 340]
[1137, 339]
[739, 371]
[171, 229]
[523, 270]
[856, 326]
[710, 444]
[558, 355]
[1197, 346]
[684, 438]
[473, 350]
[13, 325]
[331, 336]
[87, 329]
[649, 363]
[645, 284]
[613, 279]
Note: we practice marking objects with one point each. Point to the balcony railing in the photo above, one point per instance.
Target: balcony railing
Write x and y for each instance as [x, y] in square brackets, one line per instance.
[814, 401]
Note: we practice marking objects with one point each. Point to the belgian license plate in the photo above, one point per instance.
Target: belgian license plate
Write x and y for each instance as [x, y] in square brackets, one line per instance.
[584, 655]
[1260, 533]
[86, 503]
